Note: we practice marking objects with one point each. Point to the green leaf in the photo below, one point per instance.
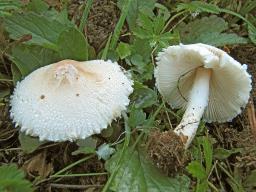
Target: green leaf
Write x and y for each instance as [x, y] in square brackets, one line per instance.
[143, 96]
[73, 45]
[12, 179]
[146, 22]
[250, 180]
[136, 174]
[145, 6]
[221, 153]
[86, 146]
[202, 186]
[198, 6]
[8, 5]
[217, 39]
[137, 117]
[196, 170]
[208, 153]
[252, 33]
[201, 31]
[142, 48]
[37, 6]
[123, 50]
[29, 144]
[45, 31]
[105, 151]
[28, 58]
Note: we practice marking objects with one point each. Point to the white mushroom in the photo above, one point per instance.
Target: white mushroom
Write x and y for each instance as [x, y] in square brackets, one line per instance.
[203, 80]
[70, 100]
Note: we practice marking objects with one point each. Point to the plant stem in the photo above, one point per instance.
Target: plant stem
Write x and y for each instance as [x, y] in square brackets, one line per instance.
[72, 165]
[126, 144]
[80, 175]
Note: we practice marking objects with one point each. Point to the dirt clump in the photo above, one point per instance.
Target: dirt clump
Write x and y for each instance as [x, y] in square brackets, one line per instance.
[102, 20]
[167, 151]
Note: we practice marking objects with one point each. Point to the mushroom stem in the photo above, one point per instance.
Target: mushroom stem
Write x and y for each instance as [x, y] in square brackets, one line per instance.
[197, 102]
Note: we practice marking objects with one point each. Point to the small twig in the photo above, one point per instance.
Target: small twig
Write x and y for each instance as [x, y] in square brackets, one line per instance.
[251, 116]
[80, 175]
[65, 186]
[168, 118]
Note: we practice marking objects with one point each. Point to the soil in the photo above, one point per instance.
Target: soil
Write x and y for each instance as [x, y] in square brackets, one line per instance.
[167, 151]
[102, 20]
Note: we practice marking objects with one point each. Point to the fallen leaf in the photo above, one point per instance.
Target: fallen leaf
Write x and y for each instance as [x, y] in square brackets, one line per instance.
[38, 166]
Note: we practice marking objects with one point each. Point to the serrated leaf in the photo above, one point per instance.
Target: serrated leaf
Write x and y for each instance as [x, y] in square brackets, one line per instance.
[145, 6]
[72, 45]
[12, 179]
[123, 50]
[221, 153]
[29, 144]
[136, 174]
[201, 31]
[196, 170]
[145, 21]
[45, 32]
[105, 151]
[28, 58]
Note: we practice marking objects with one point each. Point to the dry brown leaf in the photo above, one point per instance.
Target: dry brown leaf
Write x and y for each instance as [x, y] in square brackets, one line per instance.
[38, 166]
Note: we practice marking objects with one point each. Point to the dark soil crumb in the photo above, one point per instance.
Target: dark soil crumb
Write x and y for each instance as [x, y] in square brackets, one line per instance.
[167, 151]
[102, 20]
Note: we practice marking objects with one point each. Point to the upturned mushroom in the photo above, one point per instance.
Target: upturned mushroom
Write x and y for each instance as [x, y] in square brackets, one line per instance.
[70, 100]
[204, 81]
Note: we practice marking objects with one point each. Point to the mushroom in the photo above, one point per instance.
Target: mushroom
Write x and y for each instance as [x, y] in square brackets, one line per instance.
[70, 100]
[204, 81]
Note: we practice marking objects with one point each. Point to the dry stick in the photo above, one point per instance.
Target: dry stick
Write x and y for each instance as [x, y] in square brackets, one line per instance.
[65, 186]
[251, 116]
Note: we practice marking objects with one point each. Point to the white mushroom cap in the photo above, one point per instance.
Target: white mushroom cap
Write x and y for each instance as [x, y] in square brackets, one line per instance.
[70, 100]
[230, 84]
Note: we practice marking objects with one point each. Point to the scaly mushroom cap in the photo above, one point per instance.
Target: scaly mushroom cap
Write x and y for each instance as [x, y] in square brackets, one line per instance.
[70, 100]
[230, 84]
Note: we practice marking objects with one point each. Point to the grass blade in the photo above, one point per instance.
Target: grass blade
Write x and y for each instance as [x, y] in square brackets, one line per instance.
[85, 14]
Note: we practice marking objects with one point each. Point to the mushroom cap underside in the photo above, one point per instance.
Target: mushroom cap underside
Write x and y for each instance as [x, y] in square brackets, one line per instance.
[230, 84]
